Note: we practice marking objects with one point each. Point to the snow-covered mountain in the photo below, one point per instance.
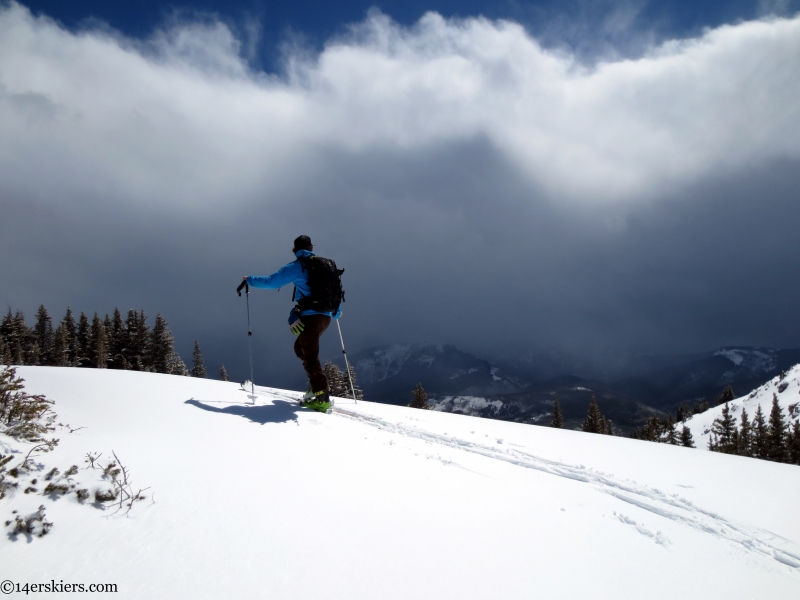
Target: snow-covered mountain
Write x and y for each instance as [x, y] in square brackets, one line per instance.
[265, 499]
[786, 387]
[391, 372]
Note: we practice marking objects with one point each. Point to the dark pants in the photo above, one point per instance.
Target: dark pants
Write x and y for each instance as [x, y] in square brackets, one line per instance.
[306, 347]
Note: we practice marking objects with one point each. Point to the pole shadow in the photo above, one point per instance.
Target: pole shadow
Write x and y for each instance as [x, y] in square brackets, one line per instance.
[277, 412]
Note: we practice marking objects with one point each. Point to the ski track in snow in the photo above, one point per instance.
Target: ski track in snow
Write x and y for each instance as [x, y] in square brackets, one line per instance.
[672, 507]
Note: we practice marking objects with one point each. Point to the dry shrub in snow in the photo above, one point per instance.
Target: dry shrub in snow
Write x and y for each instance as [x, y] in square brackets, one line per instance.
[33, 524]
[22, 416]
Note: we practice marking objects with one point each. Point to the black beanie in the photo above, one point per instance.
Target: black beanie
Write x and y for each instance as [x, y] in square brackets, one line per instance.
[302, 243]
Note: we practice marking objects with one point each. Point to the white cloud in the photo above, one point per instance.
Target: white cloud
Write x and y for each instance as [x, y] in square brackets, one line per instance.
[181, 120]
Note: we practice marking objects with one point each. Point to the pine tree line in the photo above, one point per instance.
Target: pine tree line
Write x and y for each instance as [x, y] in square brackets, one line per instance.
[771, 439]
[109, 343]
[663, 430]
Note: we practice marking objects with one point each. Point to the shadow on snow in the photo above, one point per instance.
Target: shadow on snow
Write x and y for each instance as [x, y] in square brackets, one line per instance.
[277, 412]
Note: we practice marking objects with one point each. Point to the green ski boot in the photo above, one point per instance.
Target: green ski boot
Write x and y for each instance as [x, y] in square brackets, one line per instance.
[321, 402]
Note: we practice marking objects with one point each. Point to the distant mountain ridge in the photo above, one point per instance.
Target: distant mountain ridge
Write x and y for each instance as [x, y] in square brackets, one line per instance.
[463, 383]
[703, 376]
[389, 373]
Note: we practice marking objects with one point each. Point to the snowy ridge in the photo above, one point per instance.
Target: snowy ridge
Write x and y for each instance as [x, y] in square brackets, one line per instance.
[757, 360]
[390, 373]
[785, 387]
[384, 362]
[242, 490]
[465, 405]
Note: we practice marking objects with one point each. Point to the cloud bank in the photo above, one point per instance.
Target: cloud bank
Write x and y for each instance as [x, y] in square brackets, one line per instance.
[462, 171]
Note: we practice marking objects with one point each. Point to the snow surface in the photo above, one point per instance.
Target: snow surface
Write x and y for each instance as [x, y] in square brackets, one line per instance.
[787, 389]
[271, 500]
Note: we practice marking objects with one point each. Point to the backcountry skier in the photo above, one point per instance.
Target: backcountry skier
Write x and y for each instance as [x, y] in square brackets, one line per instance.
[318, 294]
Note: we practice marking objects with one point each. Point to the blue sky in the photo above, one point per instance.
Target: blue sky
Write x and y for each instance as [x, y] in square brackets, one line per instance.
[578, 24]
[603, 179]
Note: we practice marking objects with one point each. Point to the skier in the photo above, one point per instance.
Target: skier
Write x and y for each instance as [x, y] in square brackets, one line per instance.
[311, 316]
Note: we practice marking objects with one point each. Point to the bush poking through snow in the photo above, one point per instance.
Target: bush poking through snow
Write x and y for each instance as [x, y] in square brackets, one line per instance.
[54, 489]
[46, 446]
[33, 524]
[5, 484]
[121, 485]
[27, 418]
[104, 496]
[22, 416]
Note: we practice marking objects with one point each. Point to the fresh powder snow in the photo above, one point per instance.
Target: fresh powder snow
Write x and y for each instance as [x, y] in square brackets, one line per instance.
[266, 499]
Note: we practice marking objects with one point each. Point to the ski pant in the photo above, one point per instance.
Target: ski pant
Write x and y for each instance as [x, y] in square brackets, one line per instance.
[306, 347]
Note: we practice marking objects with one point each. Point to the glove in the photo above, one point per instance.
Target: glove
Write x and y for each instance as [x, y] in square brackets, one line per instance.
[295, 324]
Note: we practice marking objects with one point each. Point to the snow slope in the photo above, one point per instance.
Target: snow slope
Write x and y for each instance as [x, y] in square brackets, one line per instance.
[787, 389]
[270, 500]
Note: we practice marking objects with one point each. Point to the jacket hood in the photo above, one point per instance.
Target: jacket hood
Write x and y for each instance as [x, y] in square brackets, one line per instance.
[303, 253]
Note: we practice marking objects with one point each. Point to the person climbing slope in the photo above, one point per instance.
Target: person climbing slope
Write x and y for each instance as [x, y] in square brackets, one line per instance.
[318, 295]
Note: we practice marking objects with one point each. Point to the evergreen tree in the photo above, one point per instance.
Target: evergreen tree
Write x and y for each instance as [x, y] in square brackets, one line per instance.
[726, 396]
[420, 398]
[31, 353]
[108, 330]
[138, 355]
[558, 418]
[609, 427]
[84, 342]
[144, 339]
[71, 332]
[61, 347]
[4, 355]
[722, 432]
[794, 443]
[198, 368]
[776, 433]
[98, 346]
[176, 365]
[117, 339]
[594, 420]
[9, 329]
[45, 336]
[223, 374]
[650, 431]
[759, 430]
[686, 437]
[671, 434]
[335, 379]
[162, 346]
[351, 385]
[745, 438]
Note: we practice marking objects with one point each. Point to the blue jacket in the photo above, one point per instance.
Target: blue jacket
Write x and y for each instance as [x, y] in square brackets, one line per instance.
[291, 273]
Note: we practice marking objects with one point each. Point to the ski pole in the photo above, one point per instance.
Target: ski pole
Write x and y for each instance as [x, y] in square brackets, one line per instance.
[346, 363]
[249, 335]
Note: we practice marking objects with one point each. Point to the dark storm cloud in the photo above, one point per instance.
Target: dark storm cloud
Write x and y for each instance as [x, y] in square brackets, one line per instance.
[477, 188]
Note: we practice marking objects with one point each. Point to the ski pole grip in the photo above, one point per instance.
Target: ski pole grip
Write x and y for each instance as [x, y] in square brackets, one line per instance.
[243, 285]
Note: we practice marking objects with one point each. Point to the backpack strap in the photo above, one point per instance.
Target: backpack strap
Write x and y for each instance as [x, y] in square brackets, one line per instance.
[302, 262]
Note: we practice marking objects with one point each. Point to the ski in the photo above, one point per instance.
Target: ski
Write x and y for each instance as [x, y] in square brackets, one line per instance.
[321, 407]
